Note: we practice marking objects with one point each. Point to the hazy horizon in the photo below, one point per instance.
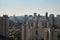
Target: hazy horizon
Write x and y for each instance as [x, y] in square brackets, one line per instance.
[22, 7]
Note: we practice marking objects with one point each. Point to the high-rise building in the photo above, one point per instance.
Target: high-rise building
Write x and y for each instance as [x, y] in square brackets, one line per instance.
[35, 14]
[1, 26]
[52, 20]
[58, 21]
[32, 29]
[4, 26]
[26, 17]
[40, 29]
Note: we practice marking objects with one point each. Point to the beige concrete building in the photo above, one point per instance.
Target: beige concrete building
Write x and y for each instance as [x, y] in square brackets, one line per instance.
[39, 29]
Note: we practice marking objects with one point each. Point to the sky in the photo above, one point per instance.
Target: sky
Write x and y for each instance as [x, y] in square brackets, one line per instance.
[22, 7]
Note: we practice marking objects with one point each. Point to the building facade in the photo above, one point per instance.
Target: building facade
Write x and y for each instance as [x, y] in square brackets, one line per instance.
[41, 28]
[4, 26]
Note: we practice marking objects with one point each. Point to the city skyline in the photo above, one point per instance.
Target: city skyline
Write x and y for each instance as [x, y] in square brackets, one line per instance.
[22, 7]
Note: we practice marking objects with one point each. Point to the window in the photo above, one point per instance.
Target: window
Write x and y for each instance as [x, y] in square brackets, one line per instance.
[36, 32]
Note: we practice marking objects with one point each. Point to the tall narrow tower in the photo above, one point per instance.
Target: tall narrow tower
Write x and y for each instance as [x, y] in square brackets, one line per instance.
[35, 14]
[52, 21]
[46, 14]
[5, 22]
[46, 19]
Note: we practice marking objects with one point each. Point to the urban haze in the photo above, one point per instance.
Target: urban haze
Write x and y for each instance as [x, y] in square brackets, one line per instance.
[29, 19]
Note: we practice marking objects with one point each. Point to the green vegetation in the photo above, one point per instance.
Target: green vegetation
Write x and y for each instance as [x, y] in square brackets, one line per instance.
[12, 23]
[17, 35]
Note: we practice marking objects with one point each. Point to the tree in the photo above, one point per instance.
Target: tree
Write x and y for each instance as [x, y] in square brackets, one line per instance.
[17, 35]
